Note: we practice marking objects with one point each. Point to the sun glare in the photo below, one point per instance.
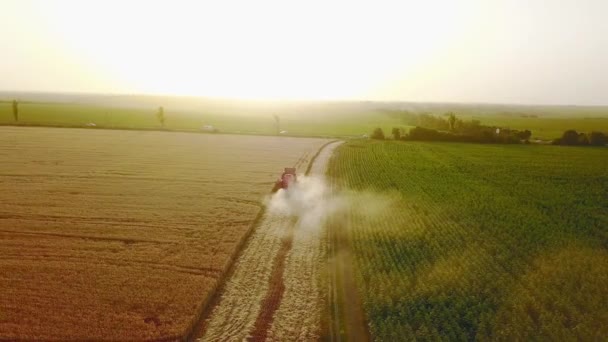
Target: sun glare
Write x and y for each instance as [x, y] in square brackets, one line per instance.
[268, 49]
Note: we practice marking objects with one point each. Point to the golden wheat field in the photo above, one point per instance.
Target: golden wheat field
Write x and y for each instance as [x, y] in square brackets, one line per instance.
[109, 235]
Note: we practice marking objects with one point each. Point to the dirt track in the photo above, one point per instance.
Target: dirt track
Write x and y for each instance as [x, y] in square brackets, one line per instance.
[274, 291]
[346, 317]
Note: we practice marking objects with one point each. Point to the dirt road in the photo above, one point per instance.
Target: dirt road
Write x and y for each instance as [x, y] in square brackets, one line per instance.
[345, 316]
[275, 290]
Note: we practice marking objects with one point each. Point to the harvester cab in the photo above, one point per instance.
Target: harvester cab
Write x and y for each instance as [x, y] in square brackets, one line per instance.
[287, 179]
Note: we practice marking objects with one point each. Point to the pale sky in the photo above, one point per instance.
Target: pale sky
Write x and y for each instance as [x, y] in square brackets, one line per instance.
[518, 51]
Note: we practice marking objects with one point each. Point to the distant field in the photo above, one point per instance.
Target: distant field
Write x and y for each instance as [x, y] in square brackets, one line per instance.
[335, 119]
[256, 121]
[478, 242]
[122, 235]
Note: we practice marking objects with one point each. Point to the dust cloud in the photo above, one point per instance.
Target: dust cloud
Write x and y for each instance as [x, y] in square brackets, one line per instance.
[312, 201]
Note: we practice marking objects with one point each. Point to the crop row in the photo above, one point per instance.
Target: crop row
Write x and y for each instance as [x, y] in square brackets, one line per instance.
[464, 230]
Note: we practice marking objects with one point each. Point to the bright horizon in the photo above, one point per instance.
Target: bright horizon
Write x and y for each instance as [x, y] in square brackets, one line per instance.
[537, 52]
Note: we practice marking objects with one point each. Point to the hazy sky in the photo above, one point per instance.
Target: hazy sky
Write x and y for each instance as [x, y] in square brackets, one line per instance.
[528, 51]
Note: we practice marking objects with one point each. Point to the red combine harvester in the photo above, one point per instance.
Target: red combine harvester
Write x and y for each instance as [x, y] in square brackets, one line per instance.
[287, 179]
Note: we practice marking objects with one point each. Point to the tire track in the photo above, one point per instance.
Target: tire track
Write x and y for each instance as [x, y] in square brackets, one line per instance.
[275, 292]
[237, 310]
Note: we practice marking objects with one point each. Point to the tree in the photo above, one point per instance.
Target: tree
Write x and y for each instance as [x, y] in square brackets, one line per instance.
[524, 135]
[160, 115]
[378, 134]
[396, 132]
[16, 110]
[598, 139]
[452, 121]
[570, 137]
[277, 122]
[582, 139]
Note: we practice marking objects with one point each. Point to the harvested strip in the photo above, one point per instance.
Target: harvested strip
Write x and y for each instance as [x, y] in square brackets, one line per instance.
[239, 306]
[299, 315]
[275, 292]
[273, 270]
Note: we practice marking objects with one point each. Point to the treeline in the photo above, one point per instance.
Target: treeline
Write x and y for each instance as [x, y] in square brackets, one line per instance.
[434, 128]
[574, 138]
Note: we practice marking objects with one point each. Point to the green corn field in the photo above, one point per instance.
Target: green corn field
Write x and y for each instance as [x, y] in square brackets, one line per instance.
[481, 242]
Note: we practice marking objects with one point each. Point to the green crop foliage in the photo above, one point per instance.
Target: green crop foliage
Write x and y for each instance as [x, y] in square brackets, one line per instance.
[298, 119]
[328, 122]
[477, 242]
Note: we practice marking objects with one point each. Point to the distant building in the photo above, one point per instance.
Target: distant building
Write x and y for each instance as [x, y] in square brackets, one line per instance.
[208, 128]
